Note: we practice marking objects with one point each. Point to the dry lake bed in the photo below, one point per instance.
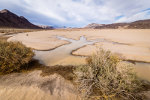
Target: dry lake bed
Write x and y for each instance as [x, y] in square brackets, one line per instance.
[70, 47]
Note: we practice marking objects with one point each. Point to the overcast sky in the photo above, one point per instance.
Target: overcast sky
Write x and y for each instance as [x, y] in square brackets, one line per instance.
[78, 13]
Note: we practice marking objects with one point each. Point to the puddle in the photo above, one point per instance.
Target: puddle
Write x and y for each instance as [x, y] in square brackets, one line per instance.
[109, 41]
[143, 70]
[62, 55]
[67, 39]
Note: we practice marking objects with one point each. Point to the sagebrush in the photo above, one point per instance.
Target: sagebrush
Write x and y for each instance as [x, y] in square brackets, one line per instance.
[14, 56]
[105, 77]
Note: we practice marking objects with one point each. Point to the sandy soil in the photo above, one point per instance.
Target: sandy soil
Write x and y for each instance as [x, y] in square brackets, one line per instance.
[38, 40]
[1, 34]
[32, 86]
[138, 41]
[127, 52]
[132, 44]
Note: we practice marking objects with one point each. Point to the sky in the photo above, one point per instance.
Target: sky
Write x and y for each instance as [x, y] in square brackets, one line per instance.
[78, 13]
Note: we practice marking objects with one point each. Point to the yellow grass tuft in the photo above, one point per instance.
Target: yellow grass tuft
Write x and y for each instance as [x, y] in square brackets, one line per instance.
[13, 56]
[106, 78]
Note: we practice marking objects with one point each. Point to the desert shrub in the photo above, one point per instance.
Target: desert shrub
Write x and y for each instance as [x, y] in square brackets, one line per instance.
[13, 56]
[104, 77]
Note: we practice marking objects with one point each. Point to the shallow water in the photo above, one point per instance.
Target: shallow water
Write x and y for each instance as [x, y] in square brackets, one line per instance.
[143, 70]
[62, 55]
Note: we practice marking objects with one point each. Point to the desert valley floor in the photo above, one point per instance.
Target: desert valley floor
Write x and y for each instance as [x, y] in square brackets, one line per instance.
[70, 47]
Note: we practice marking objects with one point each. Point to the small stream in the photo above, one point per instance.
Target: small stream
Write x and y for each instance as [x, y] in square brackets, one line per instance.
[62, 55]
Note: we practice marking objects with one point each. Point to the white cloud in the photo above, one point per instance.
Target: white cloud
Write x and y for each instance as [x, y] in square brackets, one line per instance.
[81, 12]
[138, 16]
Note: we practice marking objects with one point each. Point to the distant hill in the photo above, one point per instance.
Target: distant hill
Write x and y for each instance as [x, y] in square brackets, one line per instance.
[141, 24]
[11, 20]
[93, 25]
[45, 27]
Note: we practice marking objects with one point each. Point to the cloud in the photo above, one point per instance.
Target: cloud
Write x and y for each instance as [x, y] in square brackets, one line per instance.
[137, 16]
[79, 12]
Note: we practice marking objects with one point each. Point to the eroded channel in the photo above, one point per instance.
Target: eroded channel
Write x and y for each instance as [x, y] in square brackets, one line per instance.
[62, 55]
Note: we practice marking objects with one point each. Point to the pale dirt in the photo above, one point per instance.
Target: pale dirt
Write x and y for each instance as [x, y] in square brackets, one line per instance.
[138, 40]
[32, 86]
[128, 52]
[133, 44]
[38, 40]
[1, 34]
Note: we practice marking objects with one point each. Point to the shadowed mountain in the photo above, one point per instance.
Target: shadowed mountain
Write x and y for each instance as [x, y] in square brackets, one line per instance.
[141, 24]
[11, 20]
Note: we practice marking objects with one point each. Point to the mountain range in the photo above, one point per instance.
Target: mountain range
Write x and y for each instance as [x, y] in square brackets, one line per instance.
[11, 20]
[140, 24]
